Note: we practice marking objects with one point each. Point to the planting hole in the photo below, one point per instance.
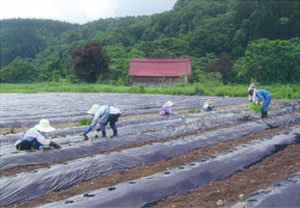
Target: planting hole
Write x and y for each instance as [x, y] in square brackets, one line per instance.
[148, 178]
[111, 188]
[180, 167]
[166, 173]
[192, 164]
[69, 202]
[88, 195]
[132, 182]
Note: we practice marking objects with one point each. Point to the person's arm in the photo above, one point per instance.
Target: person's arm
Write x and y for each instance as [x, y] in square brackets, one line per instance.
[43, 140]
[96, 119]
[94, 123]
[259, 96]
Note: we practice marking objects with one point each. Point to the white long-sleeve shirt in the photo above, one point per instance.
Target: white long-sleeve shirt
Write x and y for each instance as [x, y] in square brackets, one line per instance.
[100, 112]
[32, 134]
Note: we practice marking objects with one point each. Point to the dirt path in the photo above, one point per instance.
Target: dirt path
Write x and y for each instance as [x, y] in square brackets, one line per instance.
[271, 169]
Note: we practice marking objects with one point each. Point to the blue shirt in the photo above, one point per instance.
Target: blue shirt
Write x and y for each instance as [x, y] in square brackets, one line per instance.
[262, 94]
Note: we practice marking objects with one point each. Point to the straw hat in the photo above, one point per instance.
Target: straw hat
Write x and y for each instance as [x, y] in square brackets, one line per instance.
[169, 104]
[252, 87]
[44, 126]
[210, 101]
[93, 109]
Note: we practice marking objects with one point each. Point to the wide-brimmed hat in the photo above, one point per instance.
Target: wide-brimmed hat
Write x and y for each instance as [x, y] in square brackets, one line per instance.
[169, 104]
[93, 109]
[210, 101]
[252, 85]
[44, 126]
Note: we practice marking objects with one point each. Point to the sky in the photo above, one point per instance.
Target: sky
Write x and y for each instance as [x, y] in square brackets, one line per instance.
[81, 11]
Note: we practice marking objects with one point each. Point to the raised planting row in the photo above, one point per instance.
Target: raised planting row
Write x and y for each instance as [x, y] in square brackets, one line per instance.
[18, 188]
[142, 133]
[27, 109]
[139, 122]
[11, 158]
[142, 124]
[146, 191]
[283, 193]
[284, 107]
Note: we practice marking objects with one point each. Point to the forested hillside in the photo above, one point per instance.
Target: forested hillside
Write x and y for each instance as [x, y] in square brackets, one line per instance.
[27, 37]
[259, 38]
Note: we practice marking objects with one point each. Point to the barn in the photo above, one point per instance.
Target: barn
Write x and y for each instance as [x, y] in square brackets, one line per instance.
[157, 71]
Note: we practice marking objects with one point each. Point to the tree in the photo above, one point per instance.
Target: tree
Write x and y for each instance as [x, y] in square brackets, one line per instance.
[223, 65]
[270, 61]
[19, 70]
[90, 62]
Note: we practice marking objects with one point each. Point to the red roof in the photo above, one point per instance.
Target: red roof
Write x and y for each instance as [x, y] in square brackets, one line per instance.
[164, 67]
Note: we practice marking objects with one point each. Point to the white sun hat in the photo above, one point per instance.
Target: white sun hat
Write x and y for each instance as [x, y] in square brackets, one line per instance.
[252, 87]
[210, 101]
[44, 126]
[169, 103]
[93, 109]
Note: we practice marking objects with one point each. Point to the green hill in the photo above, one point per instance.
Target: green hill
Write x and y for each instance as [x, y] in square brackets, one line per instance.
[201, 29]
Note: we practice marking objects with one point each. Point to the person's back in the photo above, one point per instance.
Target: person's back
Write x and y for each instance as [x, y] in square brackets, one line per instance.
[262, 94]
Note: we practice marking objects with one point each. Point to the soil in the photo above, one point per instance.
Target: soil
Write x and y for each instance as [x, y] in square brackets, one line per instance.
[273, 168]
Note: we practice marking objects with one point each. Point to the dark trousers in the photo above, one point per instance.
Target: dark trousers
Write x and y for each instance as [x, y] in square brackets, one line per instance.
[112, 119]
[26, 145]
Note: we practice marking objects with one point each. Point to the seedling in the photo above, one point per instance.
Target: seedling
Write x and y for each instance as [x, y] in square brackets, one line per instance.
[12, 131]
[255, 108]
[84, 122]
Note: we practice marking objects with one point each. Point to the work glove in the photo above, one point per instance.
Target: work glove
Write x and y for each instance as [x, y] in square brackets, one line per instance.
[257, 102]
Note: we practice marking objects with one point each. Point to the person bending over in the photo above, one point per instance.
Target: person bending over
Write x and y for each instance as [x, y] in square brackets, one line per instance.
[103, 114]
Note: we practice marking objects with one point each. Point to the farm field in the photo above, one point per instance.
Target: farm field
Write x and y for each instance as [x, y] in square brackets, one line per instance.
[226, 157]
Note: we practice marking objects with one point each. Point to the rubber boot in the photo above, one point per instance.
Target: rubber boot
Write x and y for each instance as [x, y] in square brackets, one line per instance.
[264, 115]
[85, 137]
[103, 134]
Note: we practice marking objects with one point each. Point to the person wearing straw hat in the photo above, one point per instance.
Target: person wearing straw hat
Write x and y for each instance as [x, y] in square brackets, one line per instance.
[36, 137]
[166, 109]
[258, 96]
[103, 114]
[208, 105]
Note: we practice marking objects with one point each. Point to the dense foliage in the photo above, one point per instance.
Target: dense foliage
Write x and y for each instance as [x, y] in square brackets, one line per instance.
[228, 41]
[19, 70]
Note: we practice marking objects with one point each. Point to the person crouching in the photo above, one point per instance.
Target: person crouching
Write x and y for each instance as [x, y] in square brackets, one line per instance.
[166, 109]
[36, 137]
